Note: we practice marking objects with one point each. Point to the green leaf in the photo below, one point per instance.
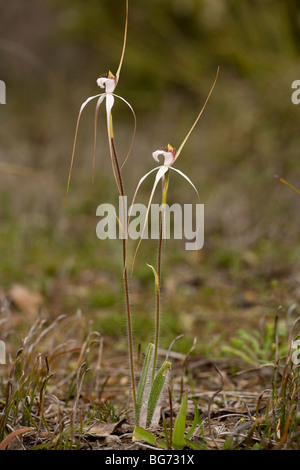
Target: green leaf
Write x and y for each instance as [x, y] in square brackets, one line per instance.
[228, 443]
[141, 399]
[140, 434]
[192, 445]
[195, 422]
[156, 390]
[179, 425]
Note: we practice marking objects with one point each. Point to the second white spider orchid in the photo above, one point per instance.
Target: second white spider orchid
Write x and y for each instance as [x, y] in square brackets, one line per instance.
[108, 82]
[169, 155]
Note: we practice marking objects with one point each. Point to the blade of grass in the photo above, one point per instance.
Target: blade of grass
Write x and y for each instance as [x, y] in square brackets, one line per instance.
[179, 425]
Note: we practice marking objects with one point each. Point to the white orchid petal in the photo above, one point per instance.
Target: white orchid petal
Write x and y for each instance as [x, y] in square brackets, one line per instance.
[87, 101]
[100, 100]
[187, 179]
[161, 172]
[101, 82]
[141, 181]
[108, 83]
[109, 103]
[168, 156]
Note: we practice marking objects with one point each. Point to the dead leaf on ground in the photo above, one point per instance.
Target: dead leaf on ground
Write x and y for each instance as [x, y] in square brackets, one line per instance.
[26, 300]
[103, 429]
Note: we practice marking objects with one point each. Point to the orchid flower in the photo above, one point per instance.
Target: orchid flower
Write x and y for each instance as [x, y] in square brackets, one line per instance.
[108, 82]
[169, 155]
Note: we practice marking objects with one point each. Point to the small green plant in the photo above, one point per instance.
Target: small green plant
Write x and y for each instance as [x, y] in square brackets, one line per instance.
[177, 438]
[107, 412]
[258, 347]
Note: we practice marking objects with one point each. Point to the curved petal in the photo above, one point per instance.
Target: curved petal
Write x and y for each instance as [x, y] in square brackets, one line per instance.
[141, 181]
[169, 156]
[109, 83]
[75, 140]
[134, 129]
[188, 180]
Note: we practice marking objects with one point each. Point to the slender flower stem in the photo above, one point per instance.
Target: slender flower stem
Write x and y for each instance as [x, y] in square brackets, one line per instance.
[125, 275]
[157, 317]
[159, 265]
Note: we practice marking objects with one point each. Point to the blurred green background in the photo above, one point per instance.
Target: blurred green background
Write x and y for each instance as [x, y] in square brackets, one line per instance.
[52, 52]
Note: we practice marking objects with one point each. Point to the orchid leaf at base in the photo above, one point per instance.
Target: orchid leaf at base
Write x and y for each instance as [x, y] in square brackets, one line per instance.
[179, 426]
[144, 387]
[156, 391]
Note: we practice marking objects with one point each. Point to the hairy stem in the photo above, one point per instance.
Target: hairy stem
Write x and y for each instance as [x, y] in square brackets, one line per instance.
[125, 277]
[159, 265]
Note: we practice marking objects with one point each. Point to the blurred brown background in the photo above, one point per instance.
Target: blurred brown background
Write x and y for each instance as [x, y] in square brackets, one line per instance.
[52, 52]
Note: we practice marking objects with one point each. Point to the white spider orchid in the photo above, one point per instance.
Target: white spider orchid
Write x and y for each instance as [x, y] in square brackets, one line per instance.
[170, 155]
[108, 82]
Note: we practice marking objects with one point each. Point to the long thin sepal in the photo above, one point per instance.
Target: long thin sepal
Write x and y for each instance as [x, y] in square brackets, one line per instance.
[198, 117]
[187, 179]
[134, 129]
[124, 43]
[75, 140]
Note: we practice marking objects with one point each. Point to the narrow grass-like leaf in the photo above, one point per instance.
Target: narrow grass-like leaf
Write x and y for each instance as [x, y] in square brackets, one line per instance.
[140, 434]
[195, 422]
[179, 425]
[141, 400]
[192, 445]
[156, 390]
